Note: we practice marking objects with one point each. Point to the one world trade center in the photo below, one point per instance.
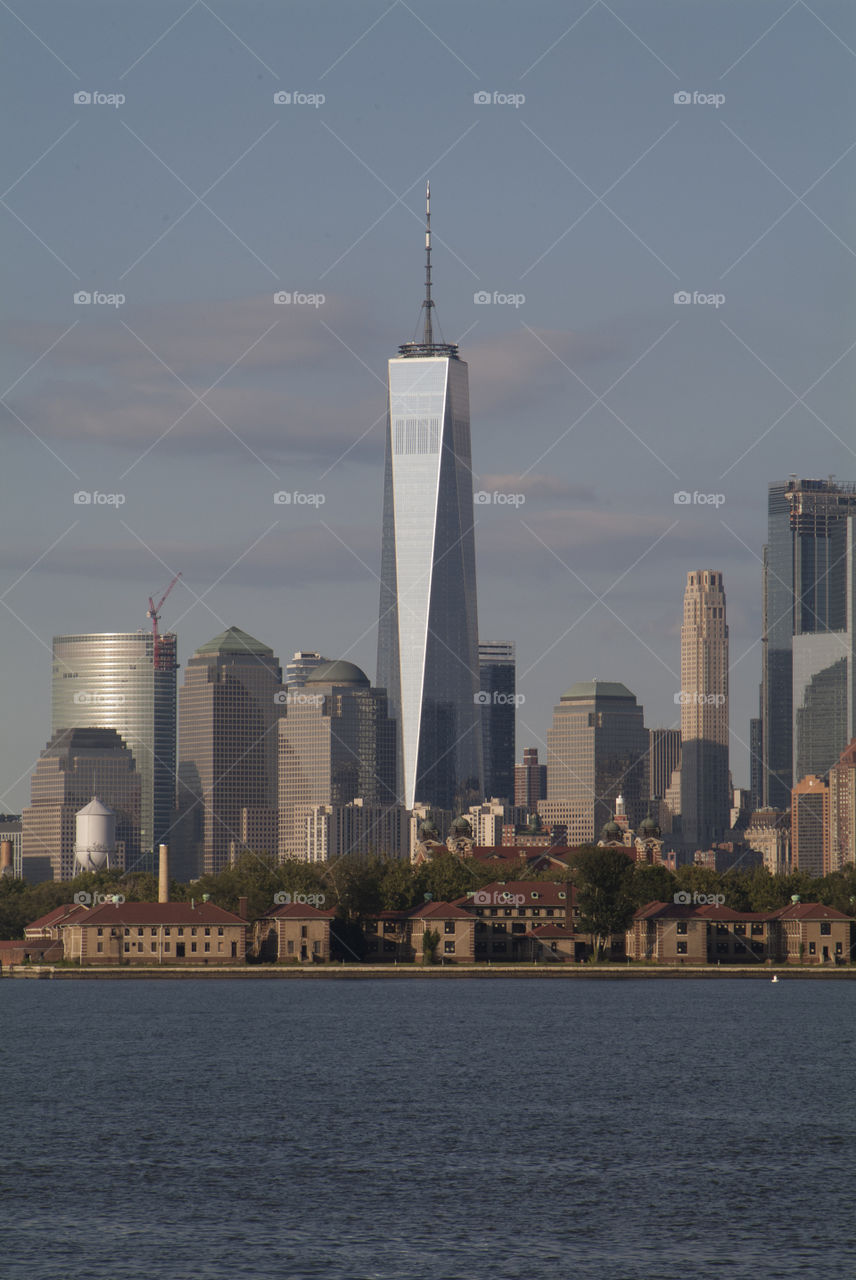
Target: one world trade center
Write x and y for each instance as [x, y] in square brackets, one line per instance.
[428, 632]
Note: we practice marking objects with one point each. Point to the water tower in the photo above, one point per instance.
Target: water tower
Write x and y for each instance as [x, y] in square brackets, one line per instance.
[95, 837]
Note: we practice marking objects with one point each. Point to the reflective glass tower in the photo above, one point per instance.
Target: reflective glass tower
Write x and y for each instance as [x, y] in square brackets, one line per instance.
[427, 634]
[112, 681]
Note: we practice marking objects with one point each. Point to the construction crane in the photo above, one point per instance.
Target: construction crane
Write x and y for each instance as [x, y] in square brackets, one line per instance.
[154, 614]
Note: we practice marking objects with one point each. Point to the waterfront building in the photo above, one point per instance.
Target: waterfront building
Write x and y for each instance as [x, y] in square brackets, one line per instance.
[112, 681]
[146, 933]
[705, 791]
[427, 635]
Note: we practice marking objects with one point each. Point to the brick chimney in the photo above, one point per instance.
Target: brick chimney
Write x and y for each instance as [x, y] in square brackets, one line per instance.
[242, 908]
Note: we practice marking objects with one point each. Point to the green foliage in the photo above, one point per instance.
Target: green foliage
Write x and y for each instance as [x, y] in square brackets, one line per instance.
[430, 943]
[604, 884]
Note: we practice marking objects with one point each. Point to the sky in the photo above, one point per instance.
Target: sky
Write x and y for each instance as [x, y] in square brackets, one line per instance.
[588, 162]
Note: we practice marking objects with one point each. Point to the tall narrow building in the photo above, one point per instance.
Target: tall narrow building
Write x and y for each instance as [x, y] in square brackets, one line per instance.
[705, 793]
[230, 701]
[808, 692]
[498, 699]
[427, 633]
[125, 681]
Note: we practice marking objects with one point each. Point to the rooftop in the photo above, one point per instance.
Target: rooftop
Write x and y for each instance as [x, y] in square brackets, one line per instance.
[597, 689]
[234, 640]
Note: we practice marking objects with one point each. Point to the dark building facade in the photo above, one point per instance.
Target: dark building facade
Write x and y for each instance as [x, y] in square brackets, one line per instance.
[530, 781]
[498, 698]
[705, 792]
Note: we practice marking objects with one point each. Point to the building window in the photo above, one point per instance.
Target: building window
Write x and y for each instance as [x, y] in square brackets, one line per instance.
[207, 946]
[722, 948]
[166, 932]
[494, 911]
[740, 927]
[139, 933]
[681, 926]
[193, 946]
[290, 947]
[181, 932]
[838, 949]
[193, 933]
[518, 928]
[139, 944]
[521, 911]
[127, 945]
[825, 928]
[481, 946]
[499, 946]
[449, 926]
[100, 932]
[536, 911]
[220, 932]
[535, 894]
[316, 947]
[387, 945]
[127, 932]
[681, 948]
[812, 949]
[154, 946]
[549, 911]
[303, 931]
[722, 928]
[207, 933]
[500, 926]
[507, 911]
[757, 928]
[449, 947]
[166, 946]
[100, 946]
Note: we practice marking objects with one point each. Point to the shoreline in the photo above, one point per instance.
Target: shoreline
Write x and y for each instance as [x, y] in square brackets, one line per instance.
[393, 972]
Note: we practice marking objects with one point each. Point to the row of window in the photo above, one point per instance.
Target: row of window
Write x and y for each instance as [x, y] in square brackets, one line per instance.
[168, 931]
[166, 946]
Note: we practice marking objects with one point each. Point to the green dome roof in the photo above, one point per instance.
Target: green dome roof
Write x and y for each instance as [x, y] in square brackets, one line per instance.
[648, 827]
[610, 831]
[339, 672]
[598, 689]
[234, 640]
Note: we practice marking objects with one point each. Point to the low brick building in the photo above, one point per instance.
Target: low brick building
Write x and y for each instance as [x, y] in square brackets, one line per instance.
[455, 927]
[294, 931]
[679, 933]
[554, 942]
[506, 911]
[145, 933]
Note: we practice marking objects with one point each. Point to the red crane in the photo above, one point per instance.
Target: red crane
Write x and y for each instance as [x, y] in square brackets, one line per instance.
[154, 614]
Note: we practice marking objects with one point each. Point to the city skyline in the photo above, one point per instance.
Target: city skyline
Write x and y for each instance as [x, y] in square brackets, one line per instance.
[593, 539]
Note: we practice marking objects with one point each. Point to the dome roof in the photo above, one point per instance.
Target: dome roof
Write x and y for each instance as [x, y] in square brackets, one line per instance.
[648, 827]
[462, 825]
[339, 672]
[95, 807]
[234, 640]
[598, 689]
[610, 831]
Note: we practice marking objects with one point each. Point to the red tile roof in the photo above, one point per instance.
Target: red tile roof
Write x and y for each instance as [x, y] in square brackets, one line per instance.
[809, 911]
[686, 911]
[440, 911]
[550, 893]
[298, 911]
[64, 912]
[157, 913]
[551, 931]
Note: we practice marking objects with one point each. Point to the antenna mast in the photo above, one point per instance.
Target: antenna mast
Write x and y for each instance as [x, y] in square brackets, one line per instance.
[428, 334]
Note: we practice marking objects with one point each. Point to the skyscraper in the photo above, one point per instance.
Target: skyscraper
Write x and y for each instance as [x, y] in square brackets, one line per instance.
[810, 845]
[304, 661]
[427, 634]
[664, 759]
[705, 792]
[809, 636]
[530, 781]
[597, 750]
[336, 745]
[842, 809]
[75, 766]
[230, 701]
[498, 698]
[111, 680]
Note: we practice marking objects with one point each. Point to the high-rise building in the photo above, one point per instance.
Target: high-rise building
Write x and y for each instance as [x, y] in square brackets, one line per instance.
[756, 763]
[498, 698]
[427, 634]
[336, 745]
[769, 831]
[842, 809]
[304, 661]
[597, 750]
[332, 831]
[810, 826]
[76, 766]
[663, 759]
[530, 781]
[808, 631]
[111, 681]
[705, 788]
[229, 704]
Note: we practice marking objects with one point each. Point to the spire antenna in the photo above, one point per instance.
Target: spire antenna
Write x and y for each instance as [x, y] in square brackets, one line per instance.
[428, 332]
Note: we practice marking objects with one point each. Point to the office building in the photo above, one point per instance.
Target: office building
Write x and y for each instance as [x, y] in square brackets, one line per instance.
[703, 697]
[304, 661]
[75, 766]
[808, 632]
[664, 757]
[842, 809]
[810, 826]
[332, 831]
[498, 699]
[111, 681]
[336, 745]
[427, 636]
[597, 750]
[530, 781]
[230, 701]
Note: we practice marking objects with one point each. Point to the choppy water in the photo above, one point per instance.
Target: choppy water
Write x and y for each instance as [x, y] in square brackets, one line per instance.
[216, 1130]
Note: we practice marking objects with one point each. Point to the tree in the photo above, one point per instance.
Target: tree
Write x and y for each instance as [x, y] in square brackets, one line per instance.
[604, 880]
[651, 884]
[430, 943]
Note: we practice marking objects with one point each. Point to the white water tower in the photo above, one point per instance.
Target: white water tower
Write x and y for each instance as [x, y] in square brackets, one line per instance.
[95, 840]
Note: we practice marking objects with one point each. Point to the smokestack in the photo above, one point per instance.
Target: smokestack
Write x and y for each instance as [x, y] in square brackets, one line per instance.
[163, 874]
[7, 864]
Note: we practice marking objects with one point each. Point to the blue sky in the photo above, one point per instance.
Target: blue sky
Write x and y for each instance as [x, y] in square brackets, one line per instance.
[597, 198]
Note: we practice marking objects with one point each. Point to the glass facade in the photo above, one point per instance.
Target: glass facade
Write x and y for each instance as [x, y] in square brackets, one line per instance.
[76, 766]
[230, 701]
[497, 694]
[427, 636]
[109, 680]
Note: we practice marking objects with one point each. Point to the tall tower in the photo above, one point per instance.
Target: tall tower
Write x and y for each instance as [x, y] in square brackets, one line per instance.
[427, 633]
[230, 701]
[498, 699]
[114, 680]
[705, 795]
